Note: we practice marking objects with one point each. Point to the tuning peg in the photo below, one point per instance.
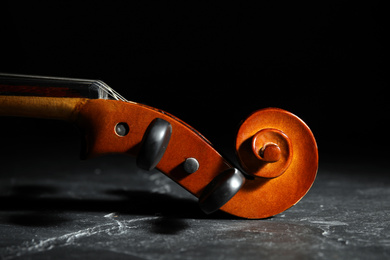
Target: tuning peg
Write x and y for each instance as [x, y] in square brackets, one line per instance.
[220, 190]
[154, 143]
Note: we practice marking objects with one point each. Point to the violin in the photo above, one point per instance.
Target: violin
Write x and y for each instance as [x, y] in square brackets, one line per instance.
[276, 150]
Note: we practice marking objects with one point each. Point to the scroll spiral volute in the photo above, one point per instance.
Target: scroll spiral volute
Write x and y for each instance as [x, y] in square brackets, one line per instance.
[268, 139]
[279, 151]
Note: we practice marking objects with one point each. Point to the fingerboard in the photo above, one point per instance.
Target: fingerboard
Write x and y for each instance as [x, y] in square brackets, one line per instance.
[41, 86]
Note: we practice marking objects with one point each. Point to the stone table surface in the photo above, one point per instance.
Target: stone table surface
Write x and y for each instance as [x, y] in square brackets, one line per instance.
[106, 208]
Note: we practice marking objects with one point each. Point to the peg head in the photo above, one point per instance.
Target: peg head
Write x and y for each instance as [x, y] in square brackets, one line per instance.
[220, 190]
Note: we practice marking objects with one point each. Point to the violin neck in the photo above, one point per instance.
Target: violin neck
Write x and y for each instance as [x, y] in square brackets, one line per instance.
[49, 97]
[40, 107]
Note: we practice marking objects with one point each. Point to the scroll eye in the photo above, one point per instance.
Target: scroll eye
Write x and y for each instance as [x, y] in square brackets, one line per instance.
[122, 129]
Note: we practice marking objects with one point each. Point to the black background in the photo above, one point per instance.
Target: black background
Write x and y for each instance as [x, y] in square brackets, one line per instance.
[212, 64]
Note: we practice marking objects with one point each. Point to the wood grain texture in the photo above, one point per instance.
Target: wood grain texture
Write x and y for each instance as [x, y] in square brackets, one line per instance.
[99, 117]
[41, 107]
[258, 198]
[264, 197]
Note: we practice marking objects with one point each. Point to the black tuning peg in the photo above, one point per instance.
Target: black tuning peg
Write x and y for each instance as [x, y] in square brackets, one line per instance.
[220, 190]
[154, 143]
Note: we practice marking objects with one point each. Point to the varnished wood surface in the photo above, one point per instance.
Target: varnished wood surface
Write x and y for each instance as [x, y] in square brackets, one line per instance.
[41, 107]
[259, 198]
[264, 197]
[99, 117]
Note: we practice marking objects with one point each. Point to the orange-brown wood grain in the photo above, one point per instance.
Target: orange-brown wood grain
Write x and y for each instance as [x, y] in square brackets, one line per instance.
[260, 197]
[99, 117]
[40, 107]
[264, 197]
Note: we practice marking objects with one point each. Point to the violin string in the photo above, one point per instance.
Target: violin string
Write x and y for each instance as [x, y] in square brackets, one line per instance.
[100, 85]
[110, 91]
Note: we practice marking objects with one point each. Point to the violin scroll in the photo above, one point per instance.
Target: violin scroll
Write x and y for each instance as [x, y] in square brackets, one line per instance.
[279, 151]
[267, 140]
[276, 150]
